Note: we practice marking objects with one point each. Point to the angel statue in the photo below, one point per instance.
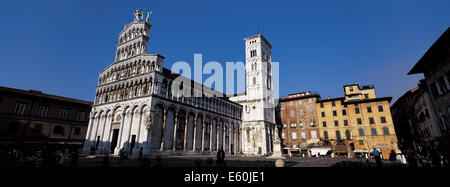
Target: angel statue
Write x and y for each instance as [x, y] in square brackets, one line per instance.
[138, 14]
[148, 16]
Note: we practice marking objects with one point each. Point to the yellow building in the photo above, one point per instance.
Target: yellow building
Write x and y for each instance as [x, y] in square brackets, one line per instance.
[357, 123]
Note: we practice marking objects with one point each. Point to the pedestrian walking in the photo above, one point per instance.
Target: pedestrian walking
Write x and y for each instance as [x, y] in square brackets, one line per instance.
[377, 156]
[140, 153]
[223, 157]
[392, 156]
[59, 159]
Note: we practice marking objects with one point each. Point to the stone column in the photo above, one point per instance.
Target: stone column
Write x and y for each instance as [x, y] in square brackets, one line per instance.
[232, 138]
[87, 141]
[101, 121]
[189, 132]
[210, 129]
[119, 139]
[241, 139]
[106, 130]
[163, 130]
[226, 144]
[203, 135]
[175, 126]
[194, 143]
[186, 125]
[214, 135]
[219, 137]
[130, 128]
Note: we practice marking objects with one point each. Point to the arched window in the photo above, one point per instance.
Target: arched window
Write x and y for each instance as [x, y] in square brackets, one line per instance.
[254, 80]
[338, 135]
[361, 132]
[374, 131]
[348, 136]
[385, 131]
[325, 135]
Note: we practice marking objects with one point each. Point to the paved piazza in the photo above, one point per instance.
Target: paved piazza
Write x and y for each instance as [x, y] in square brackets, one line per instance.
[210, 161]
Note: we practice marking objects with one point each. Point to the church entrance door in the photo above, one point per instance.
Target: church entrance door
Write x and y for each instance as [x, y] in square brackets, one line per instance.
[115, 137]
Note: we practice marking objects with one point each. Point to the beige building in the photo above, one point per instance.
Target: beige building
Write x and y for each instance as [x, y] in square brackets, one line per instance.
[357, 123]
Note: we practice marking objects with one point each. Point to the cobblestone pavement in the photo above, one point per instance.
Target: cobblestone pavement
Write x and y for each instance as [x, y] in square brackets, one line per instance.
[210, 161]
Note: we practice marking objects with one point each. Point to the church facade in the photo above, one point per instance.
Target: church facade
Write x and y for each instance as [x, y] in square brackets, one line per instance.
[138, 107]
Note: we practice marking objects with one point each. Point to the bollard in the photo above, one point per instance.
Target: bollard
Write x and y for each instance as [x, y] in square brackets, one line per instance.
[279, 163]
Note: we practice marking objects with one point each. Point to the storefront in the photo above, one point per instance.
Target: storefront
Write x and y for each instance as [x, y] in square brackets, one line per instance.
[341, 151]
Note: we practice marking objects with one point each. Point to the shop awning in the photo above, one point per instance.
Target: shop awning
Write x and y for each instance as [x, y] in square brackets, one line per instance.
[321, 150]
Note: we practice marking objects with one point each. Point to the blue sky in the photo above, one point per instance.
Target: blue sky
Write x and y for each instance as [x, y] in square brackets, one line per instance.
[59, 47]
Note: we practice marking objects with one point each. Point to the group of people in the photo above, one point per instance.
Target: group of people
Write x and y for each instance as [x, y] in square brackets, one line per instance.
[433, 158]
[38, 157]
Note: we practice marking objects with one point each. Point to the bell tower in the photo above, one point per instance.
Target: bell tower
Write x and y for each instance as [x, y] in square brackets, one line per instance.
[133, 39]
[258, 115]
[258, 67]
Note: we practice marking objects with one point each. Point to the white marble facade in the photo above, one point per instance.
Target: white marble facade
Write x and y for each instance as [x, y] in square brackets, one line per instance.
[135, 108]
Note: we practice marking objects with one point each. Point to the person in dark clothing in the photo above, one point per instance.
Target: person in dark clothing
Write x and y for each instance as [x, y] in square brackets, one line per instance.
[220, 157]
[435, 157]
[140, 153]
[392, 156]
[75, 159]
[92, 151]
[122, 155]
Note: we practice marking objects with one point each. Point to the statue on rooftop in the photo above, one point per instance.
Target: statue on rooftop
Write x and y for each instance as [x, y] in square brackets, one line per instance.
[139, 14]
